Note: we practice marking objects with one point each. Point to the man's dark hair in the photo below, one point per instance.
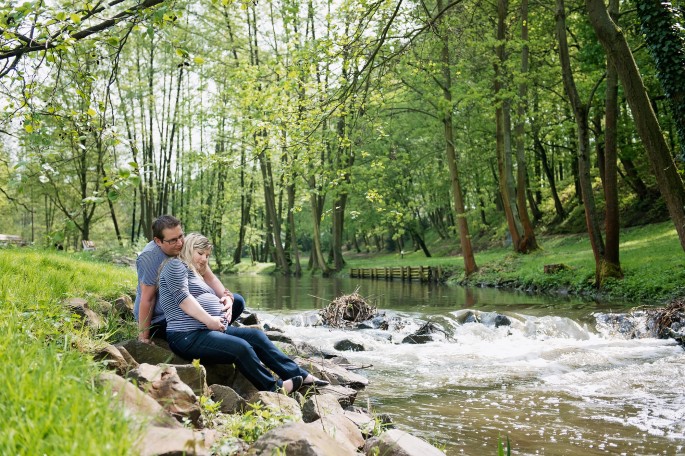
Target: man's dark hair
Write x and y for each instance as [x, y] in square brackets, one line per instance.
[162, 223]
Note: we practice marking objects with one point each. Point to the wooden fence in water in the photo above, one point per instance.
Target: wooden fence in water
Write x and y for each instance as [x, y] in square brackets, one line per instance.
[404, 273]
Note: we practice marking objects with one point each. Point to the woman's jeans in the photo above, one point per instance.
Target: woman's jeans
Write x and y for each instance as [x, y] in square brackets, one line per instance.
[248, 348]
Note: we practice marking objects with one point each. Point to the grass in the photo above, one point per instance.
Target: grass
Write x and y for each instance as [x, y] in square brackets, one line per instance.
[48, 400]
[652, 261]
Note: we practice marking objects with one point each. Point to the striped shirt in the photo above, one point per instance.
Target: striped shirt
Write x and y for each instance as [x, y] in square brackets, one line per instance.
[147, 265]
[176, 283]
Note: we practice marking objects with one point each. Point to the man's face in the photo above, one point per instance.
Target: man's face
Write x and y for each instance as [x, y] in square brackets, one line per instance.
[172, 242]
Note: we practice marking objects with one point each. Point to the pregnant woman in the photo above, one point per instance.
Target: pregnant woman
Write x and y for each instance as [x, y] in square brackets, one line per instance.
[198, 327]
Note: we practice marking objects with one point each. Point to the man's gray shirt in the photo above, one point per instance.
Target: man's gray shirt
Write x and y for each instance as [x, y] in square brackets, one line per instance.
[148, 264]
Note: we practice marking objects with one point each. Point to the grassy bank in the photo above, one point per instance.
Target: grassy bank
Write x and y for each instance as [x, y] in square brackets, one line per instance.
[48, 401]
[651, 258]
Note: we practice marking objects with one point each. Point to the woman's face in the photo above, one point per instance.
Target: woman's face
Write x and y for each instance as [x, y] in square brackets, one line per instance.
[200, 260]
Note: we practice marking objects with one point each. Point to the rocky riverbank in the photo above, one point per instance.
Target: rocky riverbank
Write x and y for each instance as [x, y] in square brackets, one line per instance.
[183, 407]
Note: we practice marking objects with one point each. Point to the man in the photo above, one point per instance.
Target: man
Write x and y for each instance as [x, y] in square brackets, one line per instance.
[167, 242]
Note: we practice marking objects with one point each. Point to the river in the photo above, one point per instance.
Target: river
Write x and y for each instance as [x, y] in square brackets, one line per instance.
[553, 382]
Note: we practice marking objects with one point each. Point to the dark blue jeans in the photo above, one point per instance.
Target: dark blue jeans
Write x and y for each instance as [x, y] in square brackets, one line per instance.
[247, 348]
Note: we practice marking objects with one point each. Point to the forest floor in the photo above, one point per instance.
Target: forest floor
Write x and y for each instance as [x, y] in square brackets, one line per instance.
[652, 261]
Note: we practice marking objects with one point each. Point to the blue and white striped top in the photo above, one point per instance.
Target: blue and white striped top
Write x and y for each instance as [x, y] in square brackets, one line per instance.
[176, 283]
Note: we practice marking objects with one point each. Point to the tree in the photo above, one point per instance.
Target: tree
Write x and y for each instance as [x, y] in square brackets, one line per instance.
[618, 52]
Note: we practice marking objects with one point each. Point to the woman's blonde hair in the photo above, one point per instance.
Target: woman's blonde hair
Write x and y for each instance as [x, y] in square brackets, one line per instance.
[193, 242]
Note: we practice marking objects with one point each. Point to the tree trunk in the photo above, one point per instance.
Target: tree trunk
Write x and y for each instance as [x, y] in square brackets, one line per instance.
[272, 220]
[580, 112]
[612, 265]
[459, 207]
[619, 54]
[503, 136]
[528, 241]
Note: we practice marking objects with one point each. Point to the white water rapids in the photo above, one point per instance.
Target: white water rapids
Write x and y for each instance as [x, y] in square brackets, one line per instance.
[549, 384]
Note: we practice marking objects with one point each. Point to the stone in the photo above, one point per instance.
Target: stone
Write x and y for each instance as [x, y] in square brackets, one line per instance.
[135, 402]
[127, 356]
[417, 339]
[79, 306]
[151, 354]
[321, 405]
[249, 320]
[395, 442]
[112, 357]
[332, 372]
[348, 345]
[163, 384]
[194, 376]
[341, 428]
[364, 422]
[158, 441]
[276, 336]
[277, 402]
[231, 402]
[294, 439]
[229, 375]
[123, 305]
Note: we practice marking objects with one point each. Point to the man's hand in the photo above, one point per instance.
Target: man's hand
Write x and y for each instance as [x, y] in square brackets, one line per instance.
[145, 339]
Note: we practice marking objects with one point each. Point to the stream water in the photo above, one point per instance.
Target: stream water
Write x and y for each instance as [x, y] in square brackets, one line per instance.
[554, 382]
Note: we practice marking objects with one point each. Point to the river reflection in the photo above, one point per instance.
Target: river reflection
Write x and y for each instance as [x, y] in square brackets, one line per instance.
[550, 381]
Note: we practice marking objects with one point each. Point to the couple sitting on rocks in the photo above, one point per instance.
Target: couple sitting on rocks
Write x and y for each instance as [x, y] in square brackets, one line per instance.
[180, 299]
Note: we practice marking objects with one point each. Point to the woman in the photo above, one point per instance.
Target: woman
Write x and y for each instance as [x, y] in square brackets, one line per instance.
[198, 326]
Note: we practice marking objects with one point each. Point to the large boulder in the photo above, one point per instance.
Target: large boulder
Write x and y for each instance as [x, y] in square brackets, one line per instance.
[229, 375]
[341, 428]
[279, 403]
[114, 359]
[151, 354]
[294, 439]
[231, 402]
[318, 406]
[135, 402]
[158, 441]
[395, 442]
[193, 375]
[332, 372]
[163, 384]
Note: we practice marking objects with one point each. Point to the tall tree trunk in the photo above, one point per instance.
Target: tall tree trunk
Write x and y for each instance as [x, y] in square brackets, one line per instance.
[272, 220]
[503, 136]
[619, 54]
[580, 112]
[459, 207]
[528, 241]
[612, 265]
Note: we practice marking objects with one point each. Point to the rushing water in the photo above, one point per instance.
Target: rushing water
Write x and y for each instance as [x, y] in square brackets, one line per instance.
[552, 382]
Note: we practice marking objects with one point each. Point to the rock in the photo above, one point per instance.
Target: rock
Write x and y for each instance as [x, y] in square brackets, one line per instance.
[341, 428]
[79, 306]
[249, 320]
[163, 384]
[395, 442]
[348, 345]
[277, 402]
[151, 354]
[364, 422]
[228, 375]
[319, 406]
[158, 441]
[231, 402]
[502, 320]
[123, 305]
[294, 439]
[112, 357]
[332, 372]
[136, 402]
[127, 356]
[276, 336]
[195, 376]
[417, 339]
[310, 318]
